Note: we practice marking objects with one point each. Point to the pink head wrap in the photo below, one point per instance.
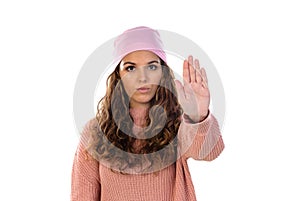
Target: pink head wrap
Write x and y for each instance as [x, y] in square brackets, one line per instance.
[138, 38]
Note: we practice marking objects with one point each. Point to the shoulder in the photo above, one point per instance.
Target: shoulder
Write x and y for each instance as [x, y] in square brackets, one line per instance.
[89, 131]
[91, 125]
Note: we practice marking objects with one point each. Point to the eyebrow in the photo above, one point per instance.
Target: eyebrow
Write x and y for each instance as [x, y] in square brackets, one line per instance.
[131, 63]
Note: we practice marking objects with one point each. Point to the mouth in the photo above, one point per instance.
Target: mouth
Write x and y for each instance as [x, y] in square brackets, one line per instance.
[143, 89]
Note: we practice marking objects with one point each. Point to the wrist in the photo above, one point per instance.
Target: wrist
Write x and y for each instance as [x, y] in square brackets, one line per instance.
[203, 117]
[197, 118]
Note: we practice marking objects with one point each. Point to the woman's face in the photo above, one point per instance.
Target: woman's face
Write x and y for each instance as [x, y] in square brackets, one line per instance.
[140, 73]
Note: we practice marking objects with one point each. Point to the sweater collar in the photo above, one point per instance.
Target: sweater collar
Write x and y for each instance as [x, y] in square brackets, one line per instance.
[139, 116]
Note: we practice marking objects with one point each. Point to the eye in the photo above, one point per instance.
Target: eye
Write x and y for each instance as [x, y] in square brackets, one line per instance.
[130, 68]
[152, 67]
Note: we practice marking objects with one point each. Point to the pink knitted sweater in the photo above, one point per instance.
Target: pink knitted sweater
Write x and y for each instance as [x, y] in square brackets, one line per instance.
[92, 181]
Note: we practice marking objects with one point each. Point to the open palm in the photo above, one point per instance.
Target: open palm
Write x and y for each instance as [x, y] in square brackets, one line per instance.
[193, 95]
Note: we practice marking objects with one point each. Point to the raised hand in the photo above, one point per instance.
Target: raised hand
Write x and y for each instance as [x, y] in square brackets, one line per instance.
[193, 95]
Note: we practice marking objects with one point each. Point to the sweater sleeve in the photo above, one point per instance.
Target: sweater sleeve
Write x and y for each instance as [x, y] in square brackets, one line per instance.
[85, 172]
[200, 141]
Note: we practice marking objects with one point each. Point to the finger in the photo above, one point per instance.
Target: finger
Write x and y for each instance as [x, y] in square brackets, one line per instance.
[186, 72]
[198, 71]
[192, 69]
[180, 90]
[204, 78]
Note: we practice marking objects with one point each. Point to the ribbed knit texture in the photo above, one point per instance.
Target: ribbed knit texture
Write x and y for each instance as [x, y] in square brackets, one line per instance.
[92, 181]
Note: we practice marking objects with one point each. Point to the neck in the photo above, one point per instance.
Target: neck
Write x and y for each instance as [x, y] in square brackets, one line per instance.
[140, 106]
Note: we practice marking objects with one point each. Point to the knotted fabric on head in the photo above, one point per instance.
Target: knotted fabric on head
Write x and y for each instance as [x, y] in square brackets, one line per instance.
[138, 38]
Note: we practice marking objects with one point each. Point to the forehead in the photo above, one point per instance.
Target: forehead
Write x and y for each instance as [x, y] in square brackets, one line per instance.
[140, 57]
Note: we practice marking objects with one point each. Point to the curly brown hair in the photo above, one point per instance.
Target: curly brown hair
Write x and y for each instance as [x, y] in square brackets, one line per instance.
[113, 145]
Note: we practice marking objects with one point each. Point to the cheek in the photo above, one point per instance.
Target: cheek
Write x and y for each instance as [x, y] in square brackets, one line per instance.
[156, 77]
[159, 80]
[128, 85]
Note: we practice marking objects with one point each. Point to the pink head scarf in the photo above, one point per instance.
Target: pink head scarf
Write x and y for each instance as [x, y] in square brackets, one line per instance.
[138, 38]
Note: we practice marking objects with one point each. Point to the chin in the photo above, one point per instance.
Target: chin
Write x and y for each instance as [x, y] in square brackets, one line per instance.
[141, 100]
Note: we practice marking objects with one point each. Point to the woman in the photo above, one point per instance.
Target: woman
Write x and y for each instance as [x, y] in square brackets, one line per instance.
[146, 127]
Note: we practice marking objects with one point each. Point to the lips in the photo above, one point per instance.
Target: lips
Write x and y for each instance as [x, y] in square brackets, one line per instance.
[143, 89]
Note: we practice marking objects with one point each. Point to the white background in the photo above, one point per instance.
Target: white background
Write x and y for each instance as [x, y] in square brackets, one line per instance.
[253, 44]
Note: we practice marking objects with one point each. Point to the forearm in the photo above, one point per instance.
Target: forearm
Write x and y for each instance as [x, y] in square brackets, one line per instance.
[201, 141]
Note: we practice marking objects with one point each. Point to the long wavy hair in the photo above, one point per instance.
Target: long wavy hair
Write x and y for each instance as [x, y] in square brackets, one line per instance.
[112, 143]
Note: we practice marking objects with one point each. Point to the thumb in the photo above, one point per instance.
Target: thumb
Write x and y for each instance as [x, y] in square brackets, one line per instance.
[180, 90]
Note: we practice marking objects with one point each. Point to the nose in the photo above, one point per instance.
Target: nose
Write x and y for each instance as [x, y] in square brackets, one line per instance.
[142, 75]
